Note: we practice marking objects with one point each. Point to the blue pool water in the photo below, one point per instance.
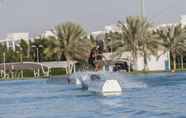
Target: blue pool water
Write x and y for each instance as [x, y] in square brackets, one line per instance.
[160, 95]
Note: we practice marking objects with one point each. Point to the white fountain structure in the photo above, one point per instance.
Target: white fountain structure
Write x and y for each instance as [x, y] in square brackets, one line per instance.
[97, 83]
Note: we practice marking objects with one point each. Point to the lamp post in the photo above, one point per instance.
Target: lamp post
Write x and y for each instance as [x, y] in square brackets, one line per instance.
[20, 58]
[37, 51]
[142, 8]
[21, 54]
[37, 55]
[4, 63]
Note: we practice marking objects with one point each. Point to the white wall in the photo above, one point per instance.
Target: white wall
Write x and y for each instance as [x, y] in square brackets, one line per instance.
[155, 64]
[161, 63]
[47, 34]
[17, 36]
[13, 38]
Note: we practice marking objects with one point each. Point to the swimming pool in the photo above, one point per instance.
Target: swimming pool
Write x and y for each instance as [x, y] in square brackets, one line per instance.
[161, 95]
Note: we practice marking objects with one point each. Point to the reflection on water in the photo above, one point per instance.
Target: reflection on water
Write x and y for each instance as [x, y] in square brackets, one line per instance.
[144, 95]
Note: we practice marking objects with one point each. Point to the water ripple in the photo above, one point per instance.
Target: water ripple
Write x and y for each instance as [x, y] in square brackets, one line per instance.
[145, 96]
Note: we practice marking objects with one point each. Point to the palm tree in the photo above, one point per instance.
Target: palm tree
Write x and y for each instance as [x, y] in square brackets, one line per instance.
[54, 49]
[173, 38]
[113, 41]
[136, 37]
[11, 56]
[70, 41]
[92, 41]
[3, 49]
[23, 47]
[148, 43]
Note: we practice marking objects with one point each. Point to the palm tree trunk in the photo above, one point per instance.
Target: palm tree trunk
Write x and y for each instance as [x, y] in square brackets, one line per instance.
[68, 63]
[129, 64]
[145, 61]
[28, 52]
[174, 62]
[134, 61]
[182, 65]
[68, 66]
[59, 56]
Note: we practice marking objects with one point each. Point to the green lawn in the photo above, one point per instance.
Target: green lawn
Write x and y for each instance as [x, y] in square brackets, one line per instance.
[28, 74]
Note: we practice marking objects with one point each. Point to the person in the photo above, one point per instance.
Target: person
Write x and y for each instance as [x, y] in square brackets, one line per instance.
[92, 58]
[99, 59]
[99, 62]
[96, 59]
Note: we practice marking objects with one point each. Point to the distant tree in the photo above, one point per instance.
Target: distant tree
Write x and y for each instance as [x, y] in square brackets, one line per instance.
[148, 43]
[113, 41]
[23, 48]
[3, 50]
[136, 36]
[12, 56]
[92, 41]
[70, 41]
[173, 38]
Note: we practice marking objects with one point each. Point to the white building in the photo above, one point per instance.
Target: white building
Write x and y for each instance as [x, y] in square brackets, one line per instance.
[107, 29]
[47, 34]
[154, 63]
[165, 25]
[97, 33]
[183, 20]
[112, 28]
[13, 39]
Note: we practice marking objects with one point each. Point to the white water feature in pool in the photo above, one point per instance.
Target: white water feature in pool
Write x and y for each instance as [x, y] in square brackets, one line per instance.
[124, 79]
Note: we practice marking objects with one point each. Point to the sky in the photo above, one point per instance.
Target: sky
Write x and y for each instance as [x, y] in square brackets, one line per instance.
[36, 16]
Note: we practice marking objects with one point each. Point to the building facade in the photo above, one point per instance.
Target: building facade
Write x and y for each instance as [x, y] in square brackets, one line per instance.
[13, 39]
[154, 63]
